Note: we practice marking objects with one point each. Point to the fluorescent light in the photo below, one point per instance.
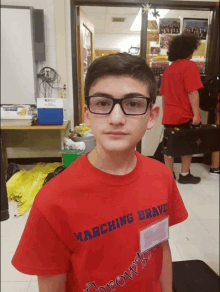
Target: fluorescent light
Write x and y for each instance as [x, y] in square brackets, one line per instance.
[136, 25]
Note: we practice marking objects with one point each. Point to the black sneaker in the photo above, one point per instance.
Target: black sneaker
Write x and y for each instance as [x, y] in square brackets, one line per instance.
[214, 171]
[189, 179]
[174, 175]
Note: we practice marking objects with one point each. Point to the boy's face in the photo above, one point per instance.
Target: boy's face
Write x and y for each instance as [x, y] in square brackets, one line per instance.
[132, 127]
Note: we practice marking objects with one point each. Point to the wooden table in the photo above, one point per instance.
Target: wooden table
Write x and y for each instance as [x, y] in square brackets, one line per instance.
[7, 131]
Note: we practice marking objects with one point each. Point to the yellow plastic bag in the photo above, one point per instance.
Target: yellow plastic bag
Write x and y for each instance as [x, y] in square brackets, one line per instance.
[24, 185]
[81, 129]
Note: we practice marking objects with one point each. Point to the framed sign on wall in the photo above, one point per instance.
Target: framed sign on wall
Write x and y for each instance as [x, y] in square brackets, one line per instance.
[169, 25]
[196, 26]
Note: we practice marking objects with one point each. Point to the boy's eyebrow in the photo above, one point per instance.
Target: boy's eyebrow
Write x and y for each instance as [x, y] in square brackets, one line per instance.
[103, 94]
[131, 94]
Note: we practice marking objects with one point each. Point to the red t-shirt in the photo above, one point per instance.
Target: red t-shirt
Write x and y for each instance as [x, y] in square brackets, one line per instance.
[181, 77]
[86, 223]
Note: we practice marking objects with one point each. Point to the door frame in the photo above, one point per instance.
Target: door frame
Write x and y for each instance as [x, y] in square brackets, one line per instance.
[158, 4]
[83, 21]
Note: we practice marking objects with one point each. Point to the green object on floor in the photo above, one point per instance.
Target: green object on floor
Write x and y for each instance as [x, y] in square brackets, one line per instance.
[69, 156]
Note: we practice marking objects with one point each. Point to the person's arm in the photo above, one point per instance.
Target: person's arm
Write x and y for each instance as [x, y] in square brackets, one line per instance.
[166, 273]
[194, 100]
[55, 283]
[163, 102]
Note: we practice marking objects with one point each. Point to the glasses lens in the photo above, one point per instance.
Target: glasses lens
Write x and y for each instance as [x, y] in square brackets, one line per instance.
[134, 105]
[100, 105]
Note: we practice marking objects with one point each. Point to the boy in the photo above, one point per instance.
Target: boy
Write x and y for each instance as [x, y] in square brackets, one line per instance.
[102, 224]
[180, 84]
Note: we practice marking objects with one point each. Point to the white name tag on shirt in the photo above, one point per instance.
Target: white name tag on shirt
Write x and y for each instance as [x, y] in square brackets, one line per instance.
[154, 234]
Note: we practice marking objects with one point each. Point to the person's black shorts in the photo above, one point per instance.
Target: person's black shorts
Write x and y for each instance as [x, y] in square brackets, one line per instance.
[181, 126]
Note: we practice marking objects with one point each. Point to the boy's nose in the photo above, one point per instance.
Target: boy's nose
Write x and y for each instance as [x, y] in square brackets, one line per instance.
[117, 115]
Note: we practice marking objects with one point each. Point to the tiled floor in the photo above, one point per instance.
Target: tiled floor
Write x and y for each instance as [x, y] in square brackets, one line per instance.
[195, 238]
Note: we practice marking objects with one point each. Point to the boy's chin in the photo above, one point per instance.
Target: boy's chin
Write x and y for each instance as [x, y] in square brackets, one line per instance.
[117, 147]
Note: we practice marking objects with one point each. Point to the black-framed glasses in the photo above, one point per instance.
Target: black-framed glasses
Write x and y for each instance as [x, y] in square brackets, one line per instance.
[103, 105]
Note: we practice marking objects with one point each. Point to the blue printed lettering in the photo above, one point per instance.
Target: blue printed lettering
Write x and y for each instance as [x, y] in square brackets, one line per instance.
[160, 209]
[87, 235]
[155, 212]
[165, 208]
[148, 213]
[93, 285]
[121, 280]
[141, 215]
[96, 232]
[103, 231]
[110, 285]
[79, 236]
[123, 220]
[118, 281]
[118, 225]
[127, 275]
[111, 225]
[132, 270]
[142, 261]
[130, 218]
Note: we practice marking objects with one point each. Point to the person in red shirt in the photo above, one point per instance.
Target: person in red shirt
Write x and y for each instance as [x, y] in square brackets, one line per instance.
[179, 88]
[102, 224]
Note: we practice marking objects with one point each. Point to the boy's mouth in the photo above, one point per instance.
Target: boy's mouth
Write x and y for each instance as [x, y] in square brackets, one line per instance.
[116, 133]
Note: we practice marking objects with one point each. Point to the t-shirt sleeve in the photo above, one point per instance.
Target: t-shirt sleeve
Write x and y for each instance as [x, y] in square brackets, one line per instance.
[176, 209]
[41, 251]
[191, 76]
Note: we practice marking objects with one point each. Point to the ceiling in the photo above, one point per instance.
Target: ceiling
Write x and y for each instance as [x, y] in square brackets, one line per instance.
[101, 17]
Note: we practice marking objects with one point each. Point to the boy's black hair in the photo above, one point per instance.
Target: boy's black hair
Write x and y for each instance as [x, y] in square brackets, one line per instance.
[182, 47]
[121, 64]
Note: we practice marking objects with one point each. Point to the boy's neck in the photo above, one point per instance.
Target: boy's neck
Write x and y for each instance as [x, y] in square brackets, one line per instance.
[113, 163]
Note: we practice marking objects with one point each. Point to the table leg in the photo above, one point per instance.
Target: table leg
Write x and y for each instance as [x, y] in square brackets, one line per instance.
[4, 151]
[63, 134]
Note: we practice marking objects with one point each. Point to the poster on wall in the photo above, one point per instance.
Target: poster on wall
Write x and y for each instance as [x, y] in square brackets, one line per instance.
[152, 24]
[198, 27]
[169, 25]
[154, 50]
[201, 50]
[152, 36]
[164, 41]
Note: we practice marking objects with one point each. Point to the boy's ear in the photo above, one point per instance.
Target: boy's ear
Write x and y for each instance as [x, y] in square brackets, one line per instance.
[153, 116]
[86, 116]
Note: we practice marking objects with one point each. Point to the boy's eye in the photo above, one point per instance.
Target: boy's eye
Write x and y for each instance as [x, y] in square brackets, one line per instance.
[101, 103]
[133, 104]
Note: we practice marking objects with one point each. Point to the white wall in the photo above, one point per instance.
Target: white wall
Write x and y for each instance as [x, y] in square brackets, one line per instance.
[50, 42]
[51, 61]
[120, 42]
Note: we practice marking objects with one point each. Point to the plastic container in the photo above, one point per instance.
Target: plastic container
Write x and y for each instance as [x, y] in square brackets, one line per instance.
[50, 111]
[69, 156]
[50, 116]
[89, 142]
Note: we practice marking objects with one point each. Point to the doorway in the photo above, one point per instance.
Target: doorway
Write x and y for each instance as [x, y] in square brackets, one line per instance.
[102, 31]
